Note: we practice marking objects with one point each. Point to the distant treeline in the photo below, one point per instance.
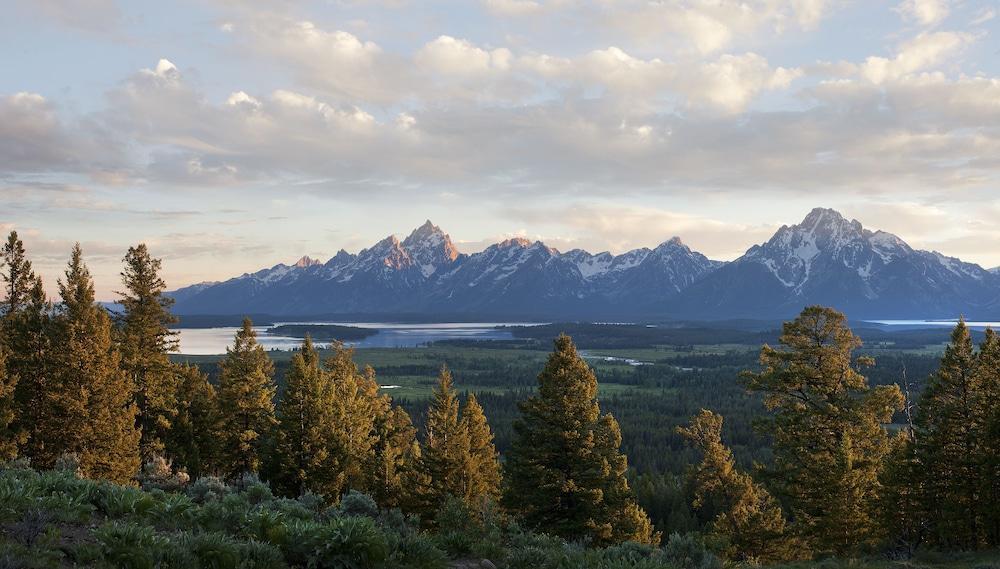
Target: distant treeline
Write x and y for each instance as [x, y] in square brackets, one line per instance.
[322, 332]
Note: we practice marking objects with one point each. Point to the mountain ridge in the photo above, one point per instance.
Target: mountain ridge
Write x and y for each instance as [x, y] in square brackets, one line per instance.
[825, 259]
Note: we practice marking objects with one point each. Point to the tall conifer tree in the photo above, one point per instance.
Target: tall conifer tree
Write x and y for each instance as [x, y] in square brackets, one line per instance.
[246, 403]
[397, 455]
[830, 441]
[484, 462]
[145, 343]
[10, 438]
[357, 406]
[565, 473]
[746, 517]
[445, 454]
[88, 406]
[25, 333]
[195, 430]
[303, 442]
[949, 446]
[986, 406]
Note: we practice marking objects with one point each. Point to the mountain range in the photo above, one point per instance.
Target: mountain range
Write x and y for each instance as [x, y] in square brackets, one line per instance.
[826, 259]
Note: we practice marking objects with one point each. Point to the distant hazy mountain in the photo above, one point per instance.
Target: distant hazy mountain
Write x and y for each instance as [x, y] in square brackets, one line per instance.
[424, 273]
[830, 260]
[826, 259]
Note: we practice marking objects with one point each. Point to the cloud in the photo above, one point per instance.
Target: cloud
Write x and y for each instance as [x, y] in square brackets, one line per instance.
[34, 138]
[621, 228]
[709, 27]
[95, 16]
[924, 12]
[513, 7]
[921, 52]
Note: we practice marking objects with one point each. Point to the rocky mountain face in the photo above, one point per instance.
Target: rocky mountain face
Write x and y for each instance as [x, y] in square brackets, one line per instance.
[825, 259]
[425, 273]
[833, 261]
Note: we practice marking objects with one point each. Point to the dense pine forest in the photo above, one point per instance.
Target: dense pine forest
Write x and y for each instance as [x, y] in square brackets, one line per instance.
[115, 454]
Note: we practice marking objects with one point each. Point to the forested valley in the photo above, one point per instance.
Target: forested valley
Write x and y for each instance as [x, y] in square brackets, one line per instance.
[810, 449]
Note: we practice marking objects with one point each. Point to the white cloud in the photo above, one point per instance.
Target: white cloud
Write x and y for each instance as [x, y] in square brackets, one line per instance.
[922, 52]
[513, 7]
[450, 56]
[925, 12]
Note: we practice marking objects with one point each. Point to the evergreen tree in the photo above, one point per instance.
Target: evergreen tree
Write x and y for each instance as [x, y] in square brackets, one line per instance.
[900, 503]
[484, 462]
[194, 434]
[828, 429]
[354, 438]
[747, 520]
[10, 438]
[18, 277]
[145, 342]
[445, 454]
[246, 403]
[304, 435]
[397, 455]
[88, 408]
[25, 335]
[565, 472]
[986, 409]
[949, 446]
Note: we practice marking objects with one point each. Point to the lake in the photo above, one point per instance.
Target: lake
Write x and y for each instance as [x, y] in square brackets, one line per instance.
[207, 341]
[912, 324]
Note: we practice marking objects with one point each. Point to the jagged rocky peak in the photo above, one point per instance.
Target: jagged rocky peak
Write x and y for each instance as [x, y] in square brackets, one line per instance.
[674, 243]
[430, 247]
[341, 258]
[515, 242]
[307, 261]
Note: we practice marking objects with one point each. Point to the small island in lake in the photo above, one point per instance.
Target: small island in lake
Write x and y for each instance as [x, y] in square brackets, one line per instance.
[322, 332]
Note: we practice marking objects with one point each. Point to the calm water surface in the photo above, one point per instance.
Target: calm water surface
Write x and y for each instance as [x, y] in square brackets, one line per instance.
[975, 325]
[203, 341]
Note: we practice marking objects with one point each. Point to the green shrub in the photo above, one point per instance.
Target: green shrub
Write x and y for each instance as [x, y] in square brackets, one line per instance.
[358, 504]
[122, 501]
[211, 550]
[342, 543]
[257, 555]
[265, 525]
[207, 489]
[130, 546]
[414, 551]
[174, 511]
[688, 552]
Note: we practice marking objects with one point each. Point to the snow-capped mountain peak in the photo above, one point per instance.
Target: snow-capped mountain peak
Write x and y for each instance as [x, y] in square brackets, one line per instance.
[306, 261]
[430, 248]
[825, 259]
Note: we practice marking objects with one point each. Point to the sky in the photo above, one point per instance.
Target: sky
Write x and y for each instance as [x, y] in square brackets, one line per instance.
[231, 135]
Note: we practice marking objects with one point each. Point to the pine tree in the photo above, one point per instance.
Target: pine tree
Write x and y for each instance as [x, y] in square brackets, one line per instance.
[25, 335]
[193, 435]
[397, 455]
[986, 409]
[354, 438]
[747, 520]
[948, 446]
[246, 403]
[304, 435]
[484, 462]
[145, 342]
[88, 408]
[18, 276]
[10, 438]
[828, 429]
[445, 455]
[565, 472]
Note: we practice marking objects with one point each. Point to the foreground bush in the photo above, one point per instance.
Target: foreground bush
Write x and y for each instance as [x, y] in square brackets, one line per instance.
[55, 519]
